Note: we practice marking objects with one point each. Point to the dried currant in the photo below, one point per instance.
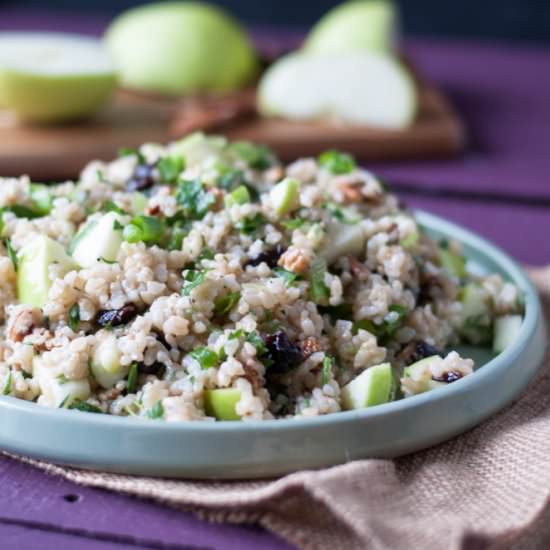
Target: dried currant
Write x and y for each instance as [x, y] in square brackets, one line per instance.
[115, 317]
[270, 257]
[284, 354]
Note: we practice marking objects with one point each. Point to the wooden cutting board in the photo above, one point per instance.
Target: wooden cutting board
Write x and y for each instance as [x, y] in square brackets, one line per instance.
[53, 153]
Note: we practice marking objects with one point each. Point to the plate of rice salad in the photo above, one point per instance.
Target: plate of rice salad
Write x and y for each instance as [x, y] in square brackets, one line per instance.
[201, 309]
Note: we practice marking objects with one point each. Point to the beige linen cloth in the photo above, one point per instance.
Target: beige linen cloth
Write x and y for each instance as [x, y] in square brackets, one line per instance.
[489, 488]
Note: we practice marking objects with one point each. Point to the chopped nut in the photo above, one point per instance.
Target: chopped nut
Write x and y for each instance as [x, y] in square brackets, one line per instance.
[24, 323]
[310, 346]
[295, 260]
[358, 269]
[153, 210]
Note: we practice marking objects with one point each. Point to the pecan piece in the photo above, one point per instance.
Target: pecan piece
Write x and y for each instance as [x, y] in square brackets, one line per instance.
[24, 324]
[294, 260]
[310, 346]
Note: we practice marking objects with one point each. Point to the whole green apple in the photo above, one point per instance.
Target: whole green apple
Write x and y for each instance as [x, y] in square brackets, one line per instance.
[355, 25]
[51, 77]
[177, 48]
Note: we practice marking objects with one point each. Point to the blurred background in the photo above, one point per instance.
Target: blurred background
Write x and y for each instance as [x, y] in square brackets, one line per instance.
[516, 20]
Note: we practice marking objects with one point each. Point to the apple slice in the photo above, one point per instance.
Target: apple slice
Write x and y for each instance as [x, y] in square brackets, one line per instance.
[50, 77]
[221, 402]
[359, 87]
[372, 387]
[359, 25]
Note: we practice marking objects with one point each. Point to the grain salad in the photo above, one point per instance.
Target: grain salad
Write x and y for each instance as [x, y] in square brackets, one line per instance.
[206, 280]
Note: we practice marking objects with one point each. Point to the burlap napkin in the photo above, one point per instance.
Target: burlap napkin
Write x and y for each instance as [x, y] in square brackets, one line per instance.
[489, 488]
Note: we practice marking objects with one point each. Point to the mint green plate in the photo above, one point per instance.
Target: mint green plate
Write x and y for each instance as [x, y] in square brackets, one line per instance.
[269, 448]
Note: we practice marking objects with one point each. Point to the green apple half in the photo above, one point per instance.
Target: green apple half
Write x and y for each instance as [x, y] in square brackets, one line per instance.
[362, 88]
[180, 47]
[358, 25]
[51, 77]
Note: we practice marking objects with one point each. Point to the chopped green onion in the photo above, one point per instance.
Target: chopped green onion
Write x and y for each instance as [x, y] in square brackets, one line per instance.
[7, 385]
[293, 224]
[110, 206]
[74, 317]
[336, 162]
[131, 384]
[156, 411]
[170, 168]
[236, 334]
[250, 225]
[327, 370]
[224, 304]
[193, 279]
[205, 357]
[11, 254]
[41, 198]
[148, 229]
[22, 211]
[194, 199]
[341, 311]
[84, 407]
[318, 290]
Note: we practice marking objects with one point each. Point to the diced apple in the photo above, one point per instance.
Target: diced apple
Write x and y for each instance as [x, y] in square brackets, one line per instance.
[343, 240]
[285, 196]
[33, 277]
[105, 364]
[506, 330]
[372, 387]
[220, 403]
[421, 375]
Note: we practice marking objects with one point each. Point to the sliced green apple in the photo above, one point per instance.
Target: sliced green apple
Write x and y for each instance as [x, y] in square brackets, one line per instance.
[507, 328]
[220, 403]
[50, 77]
[361, 88]
[34, 261]
[422, 375]
[285, 196]
[98, 240]
[180, 47]
[105, 363]
[372, 387]
[359, 25]
[343, 240]
[454, 264]
[476, 314]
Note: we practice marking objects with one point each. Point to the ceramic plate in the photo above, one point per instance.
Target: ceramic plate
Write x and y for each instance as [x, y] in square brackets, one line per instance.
[268, 448]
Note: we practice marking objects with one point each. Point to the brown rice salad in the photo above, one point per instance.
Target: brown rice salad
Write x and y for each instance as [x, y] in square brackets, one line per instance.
[206, 280]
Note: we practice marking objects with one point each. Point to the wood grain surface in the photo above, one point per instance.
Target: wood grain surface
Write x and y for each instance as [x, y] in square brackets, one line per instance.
[59, 152]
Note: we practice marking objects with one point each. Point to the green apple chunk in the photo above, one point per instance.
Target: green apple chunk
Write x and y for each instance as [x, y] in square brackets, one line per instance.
[421, 374]
[34, 261]
[360, 88]
[454, 264]
[98, 240]
[220, 403]
[285, 196]
[476, 314]
[57, 391]
[51, 77]
[507, 328]
[180, 47]
[372, 387]
[105, 364]
[343, 240]
[360, 25]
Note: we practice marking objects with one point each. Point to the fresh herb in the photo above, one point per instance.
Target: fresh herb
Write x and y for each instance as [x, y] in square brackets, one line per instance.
[21, 211]
[257, 157]
[293, 224]
[385, 330]
[236, 334]
[106, 261]
[231, 179]
[206, 254]
[147, 229]
[131, 384]
[83, 406]
[392, 326]
[336, 162]
[341, 311]
[26, 375]
[318, 290]
[117, 226]
[205, 357]
[327, 369]
[193, 278]
[110, 206]
[129, 152]
[170, 168]
[289, 277]
[74, 317]
[256, 340]
[250, 225]
[101, 176]
[224, 304]
[240, 195]
[156, 411]
[11, 254]
[194, 199]
[7, 385]
[41, 198]
[343, 216]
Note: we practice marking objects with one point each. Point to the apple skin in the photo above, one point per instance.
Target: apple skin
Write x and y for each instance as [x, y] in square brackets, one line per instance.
[54, 98]
[357, 25]
[177, 48]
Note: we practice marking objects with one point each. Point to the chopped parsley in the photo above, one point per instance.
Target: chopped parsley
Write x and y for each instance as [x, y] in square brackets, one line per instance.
[106, 261]
[257, 157]
[147, 229]
[129, 152]
[83, 406]
[341, 311]
[110, 206]
[193, 278]
[224, 304]
[11, 254]
[293, 224]
[74, 317]
[385, 330]
[131, 384]
[117, 226]
[327, 369]
[156, 411]
[318, 290]
[337, 162]
[194, 199]
[205, 357]
[236, 334]
[170, 168]
[22, 211]
[289, 277]
[250, 225]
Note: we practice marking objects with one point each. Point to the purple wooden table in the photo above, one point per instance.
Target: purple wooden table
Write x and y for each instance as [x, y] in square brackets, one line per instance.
[500, 188]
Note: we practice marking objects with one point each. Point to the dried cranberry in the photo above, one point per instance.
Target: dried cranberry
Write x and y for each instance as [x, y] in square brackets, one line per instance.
[141, 179]
[448, 377]
[115, 317]
[285, 354]
[157, 368]
[270, 257]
